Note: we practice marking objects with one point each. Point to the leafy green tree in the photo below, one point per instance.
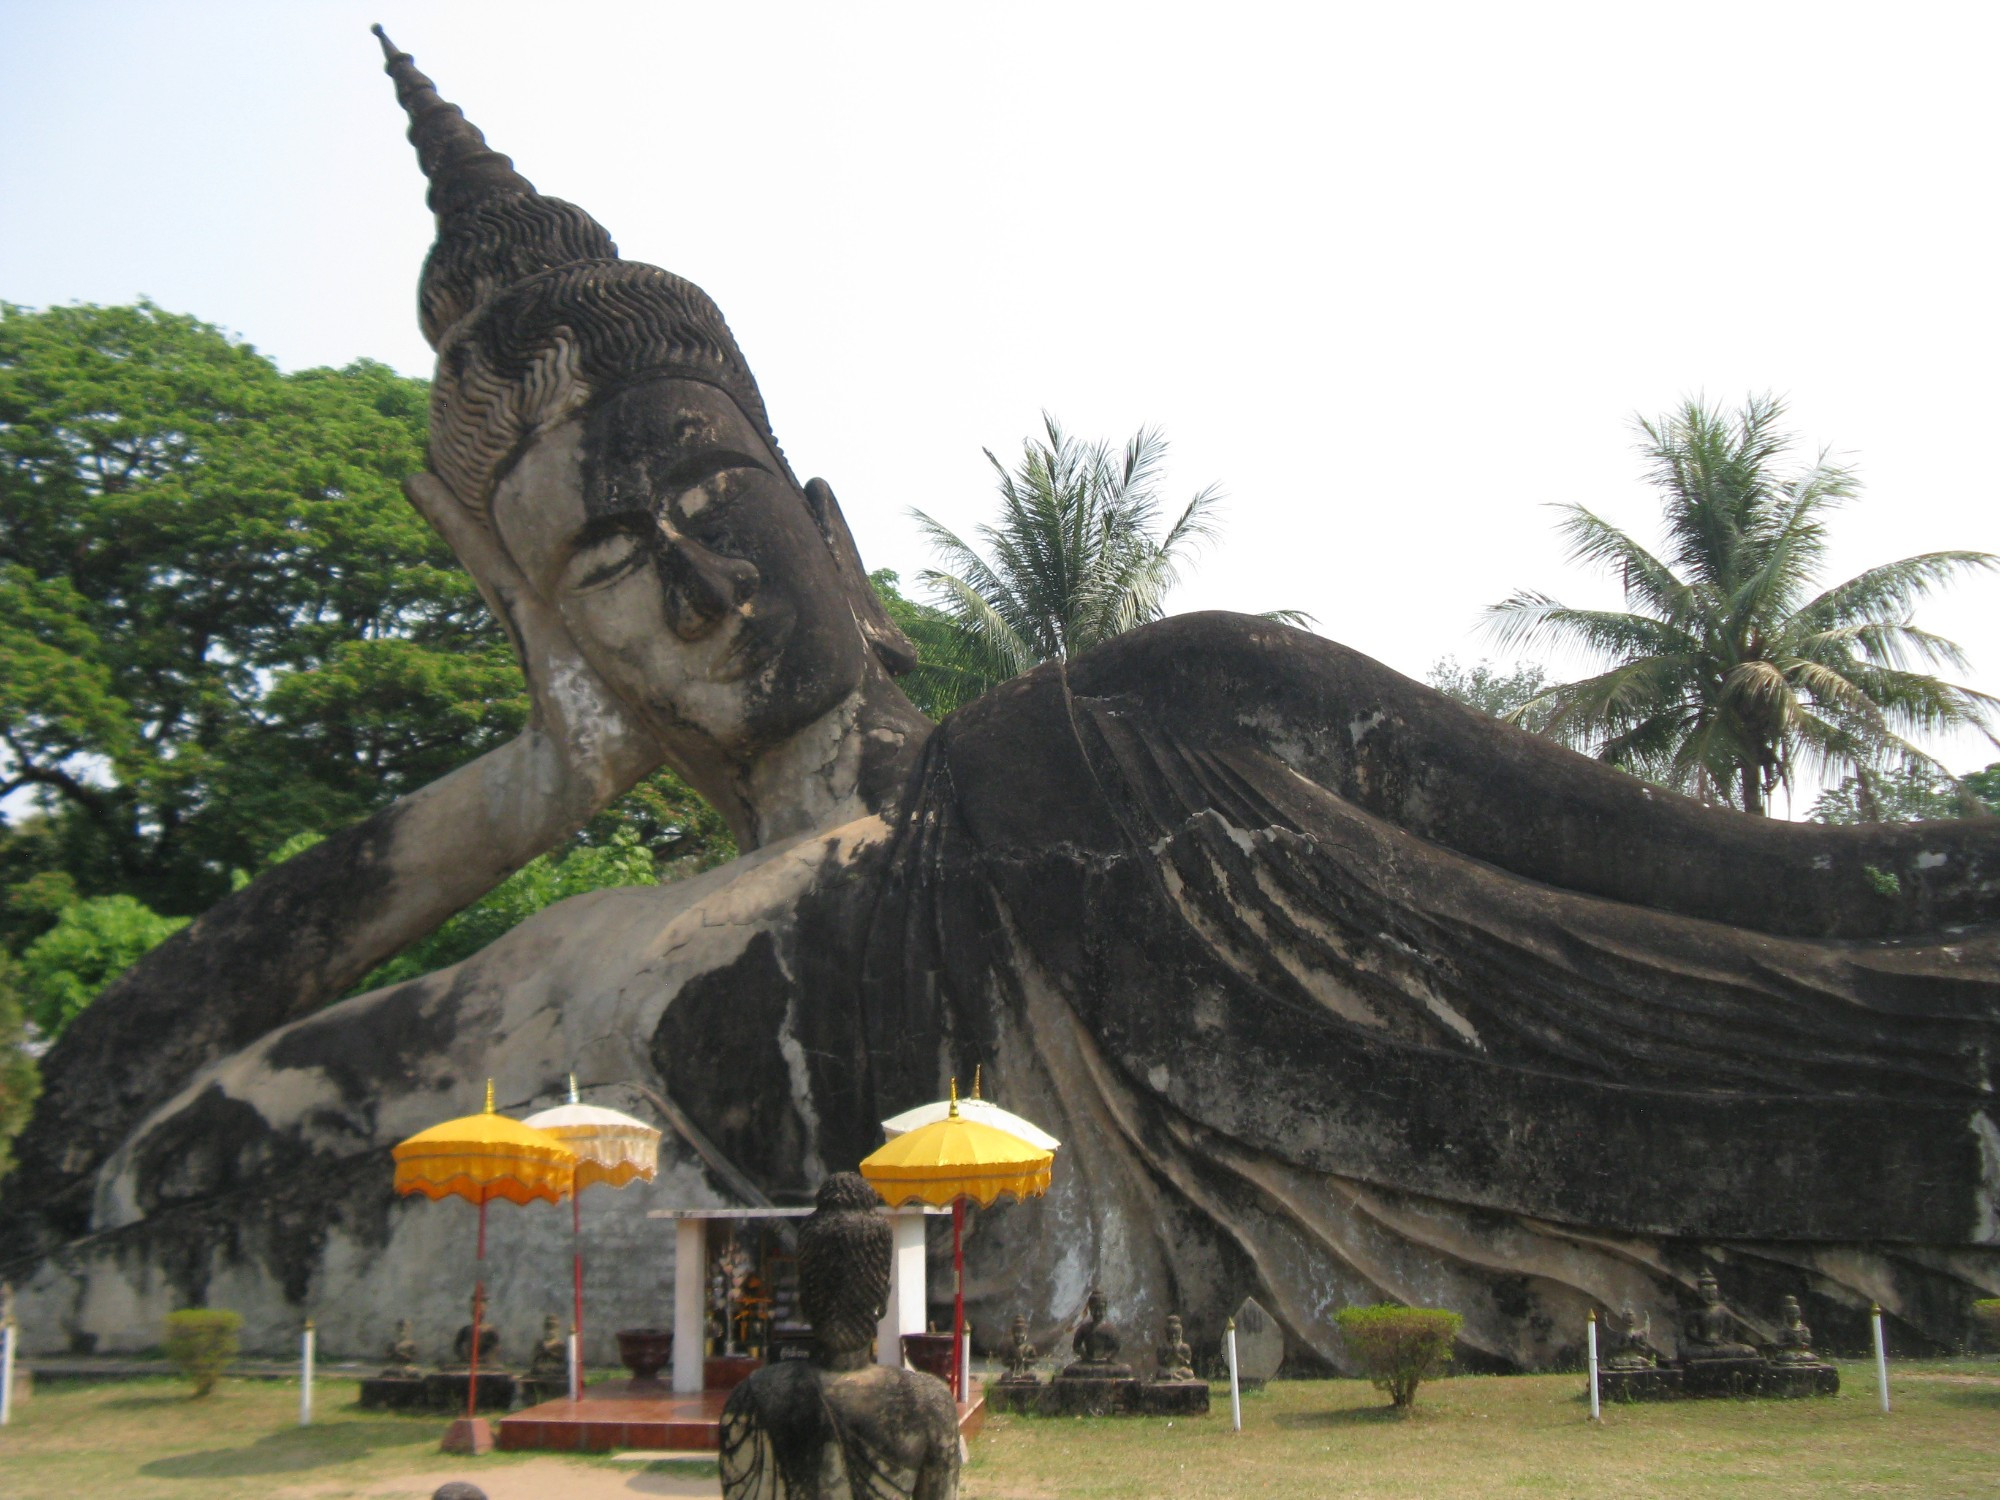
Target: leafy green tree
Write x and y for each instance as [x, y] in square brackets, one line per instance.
[220, 622]
[20, 1079]
[1910, 794]
[91, 944]
[1730, 670]
[1486, 687]
[1076, 557]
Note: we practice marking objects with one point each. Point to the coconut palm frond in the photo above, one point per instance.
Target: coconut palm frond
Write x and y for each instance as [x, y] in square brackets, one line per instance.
[1728, 674]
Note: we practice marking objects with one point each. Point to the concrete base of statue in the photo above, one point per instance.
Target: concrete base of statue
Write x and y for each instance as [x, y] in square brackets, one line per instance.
[1170, 1398]
[468, 1435]
[387, 1392]
[1639, 1385]
[445, 1390]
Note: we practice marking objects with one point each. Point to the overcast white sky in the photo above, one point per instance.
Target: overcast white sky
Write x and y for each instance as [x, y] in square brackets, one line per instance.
[1396, 276]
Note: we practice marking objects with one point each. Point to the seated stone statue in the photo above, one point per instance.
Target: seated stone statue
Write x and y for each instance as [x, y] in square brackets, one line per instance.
[1627, 1344]
[1793, 1345]
[839, 1426]
[1095, 1344]
[489, 1345]
[1176, 1359]
[1151, 886]
[551, 1357]
[402, 1352]
[1711, 1329]
[1020, 1355]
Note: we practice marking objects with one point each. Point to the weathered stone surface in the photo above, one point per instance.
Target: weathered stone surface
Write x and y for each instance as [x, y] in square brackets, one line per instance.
[1260, 1343]
[1336, 991]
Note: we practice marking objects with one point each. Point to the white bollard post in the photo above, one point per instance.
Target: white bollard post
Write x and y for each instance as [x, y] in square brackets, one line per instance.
[965, 1366]
[1595, 1413]
[306, 1375]
[1881, 1355]
[6, 1373]
[575, 1368]
[1235, 1391]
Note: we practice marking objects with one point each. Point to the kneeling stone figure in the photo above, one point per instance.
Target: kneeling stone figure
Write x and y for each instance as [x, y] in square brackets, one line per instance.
[838, 1426]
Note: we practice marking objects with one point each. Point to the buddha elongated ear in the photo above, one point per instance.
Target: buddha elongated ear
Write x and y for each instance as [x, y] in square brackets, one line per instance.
[892, 648]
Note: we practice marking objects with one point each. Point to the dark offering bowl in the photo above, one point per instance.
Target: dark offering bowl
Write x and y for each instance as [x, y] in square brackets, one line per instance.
[645, 1351]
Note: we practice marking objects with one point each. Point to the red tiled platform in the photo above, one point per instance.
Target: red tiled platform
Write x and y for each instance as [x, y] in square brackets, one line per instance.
[614, 1415]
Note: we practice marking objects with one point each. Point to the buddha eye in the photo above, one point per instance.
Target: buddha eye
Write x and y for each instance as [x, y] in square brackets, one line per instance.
[604, 560]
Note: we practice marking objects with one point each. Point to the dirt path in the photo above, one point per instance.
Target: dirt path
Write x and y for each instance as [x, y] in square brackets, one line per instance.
[536, 1479]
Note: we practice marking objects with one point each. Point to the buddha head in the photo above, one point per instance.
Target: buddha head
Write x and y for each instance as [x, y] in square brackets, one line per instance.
[845, 1251]
[596, 417]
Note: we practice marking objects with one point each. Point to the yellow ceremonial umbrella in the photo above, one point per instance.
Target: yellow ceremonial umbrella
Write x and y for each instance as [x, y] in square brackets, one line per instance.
[479, 1158]
[611, 1148]
[949, 1161]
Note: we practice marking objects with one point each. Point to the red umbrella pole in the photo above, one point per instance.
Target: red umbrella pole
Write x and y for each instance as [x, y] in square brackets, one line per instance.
[478, 1310]
[576, 1247]
[958, 1299]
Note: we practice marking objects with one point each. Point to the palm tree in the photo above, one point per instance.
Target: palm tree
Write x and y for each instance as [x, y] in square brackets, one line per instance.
[1074, 559]
[1727, 672]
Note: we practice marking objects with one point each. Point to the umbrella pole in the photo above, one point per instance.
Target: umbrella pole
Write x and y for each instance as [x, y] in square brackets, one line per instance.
[478, 1311]
[958, 1299]
[576, 1249]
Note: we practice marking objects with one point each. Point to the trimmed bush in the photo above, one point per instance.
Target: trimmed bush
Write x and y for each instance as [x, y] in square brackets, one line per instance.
[1986, 1313]
[201, 1341]
[1399, 1347]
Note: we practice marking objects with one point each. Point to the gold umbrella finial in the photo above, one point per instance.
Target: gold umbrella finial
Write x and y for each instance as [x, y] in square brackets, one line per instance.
[574, 1097]
[489, 1096]
[954, 1099]
[975, 1080]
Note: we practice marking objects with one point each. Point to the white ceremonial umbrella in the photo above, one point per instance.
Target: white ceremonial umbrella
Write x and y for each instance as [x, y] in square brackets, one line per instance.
[611, 1148]
[985, 1111]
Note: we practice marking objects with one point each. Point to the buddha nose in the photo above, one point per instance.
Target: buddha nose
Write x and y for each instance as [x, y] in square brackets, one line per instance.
[702, 587]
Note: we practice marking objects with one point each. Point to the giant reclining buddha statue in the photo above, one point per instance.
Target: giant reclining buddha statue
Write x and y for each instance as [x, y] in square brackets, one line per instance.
[1334, 989]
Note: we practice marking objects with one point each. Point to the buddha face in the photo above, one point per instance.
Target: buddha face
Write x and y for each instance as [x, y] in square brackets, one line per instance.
[687, 565]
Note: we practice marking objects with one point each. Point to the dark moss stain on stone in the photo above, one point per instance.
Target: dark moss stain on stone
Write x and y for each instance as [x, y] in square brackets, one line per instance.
[717, 1050]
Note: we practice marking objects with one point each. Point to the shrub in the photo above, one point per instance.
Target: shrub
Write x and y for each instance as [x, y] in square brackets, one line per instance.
[1986, 1313]
[201, 1341]
[1399, 1347]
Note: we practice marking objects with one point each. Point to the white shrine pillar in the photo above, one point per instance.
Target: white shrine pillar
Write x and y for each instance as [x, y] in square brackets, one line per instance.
[908, 1287]
[690, 1324]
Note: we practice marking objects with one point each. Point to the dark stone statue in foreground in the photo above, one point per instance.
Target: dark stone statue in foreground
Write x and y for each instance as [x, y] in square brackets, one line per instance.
[838, 1425]
[1338, 992]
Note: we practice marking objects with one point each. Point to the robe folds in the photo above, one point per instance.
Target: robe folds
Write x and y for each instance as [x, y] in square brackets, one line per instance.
[1338, 991]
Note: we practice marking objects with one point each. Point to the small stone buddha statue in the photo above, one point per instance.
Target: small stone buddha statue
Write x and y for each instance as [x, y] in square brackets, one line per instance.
[551, 1359]
[838, 1426]
[1095, 1344]
[1627, 1342]
[1710, 1332]
[1793, 1345]
[1020, 1355]
[1176, 1360]
[402, 1352]
[489, 1344]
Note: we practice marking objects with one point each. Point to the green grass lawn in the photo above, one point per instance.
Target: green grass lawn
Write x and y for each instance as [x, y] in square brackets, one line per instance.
[1468, 1438]
[1512, 1436]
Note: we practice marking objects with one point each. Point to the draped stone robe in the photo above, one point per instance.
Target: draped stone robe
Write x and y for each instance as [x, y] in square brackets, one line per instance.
[1334, 990]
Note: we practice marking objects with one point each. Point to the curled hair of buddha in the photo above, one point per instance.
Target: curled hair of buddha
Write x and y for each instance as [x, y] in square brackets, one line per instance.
[530, 308]
[845, 1251]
